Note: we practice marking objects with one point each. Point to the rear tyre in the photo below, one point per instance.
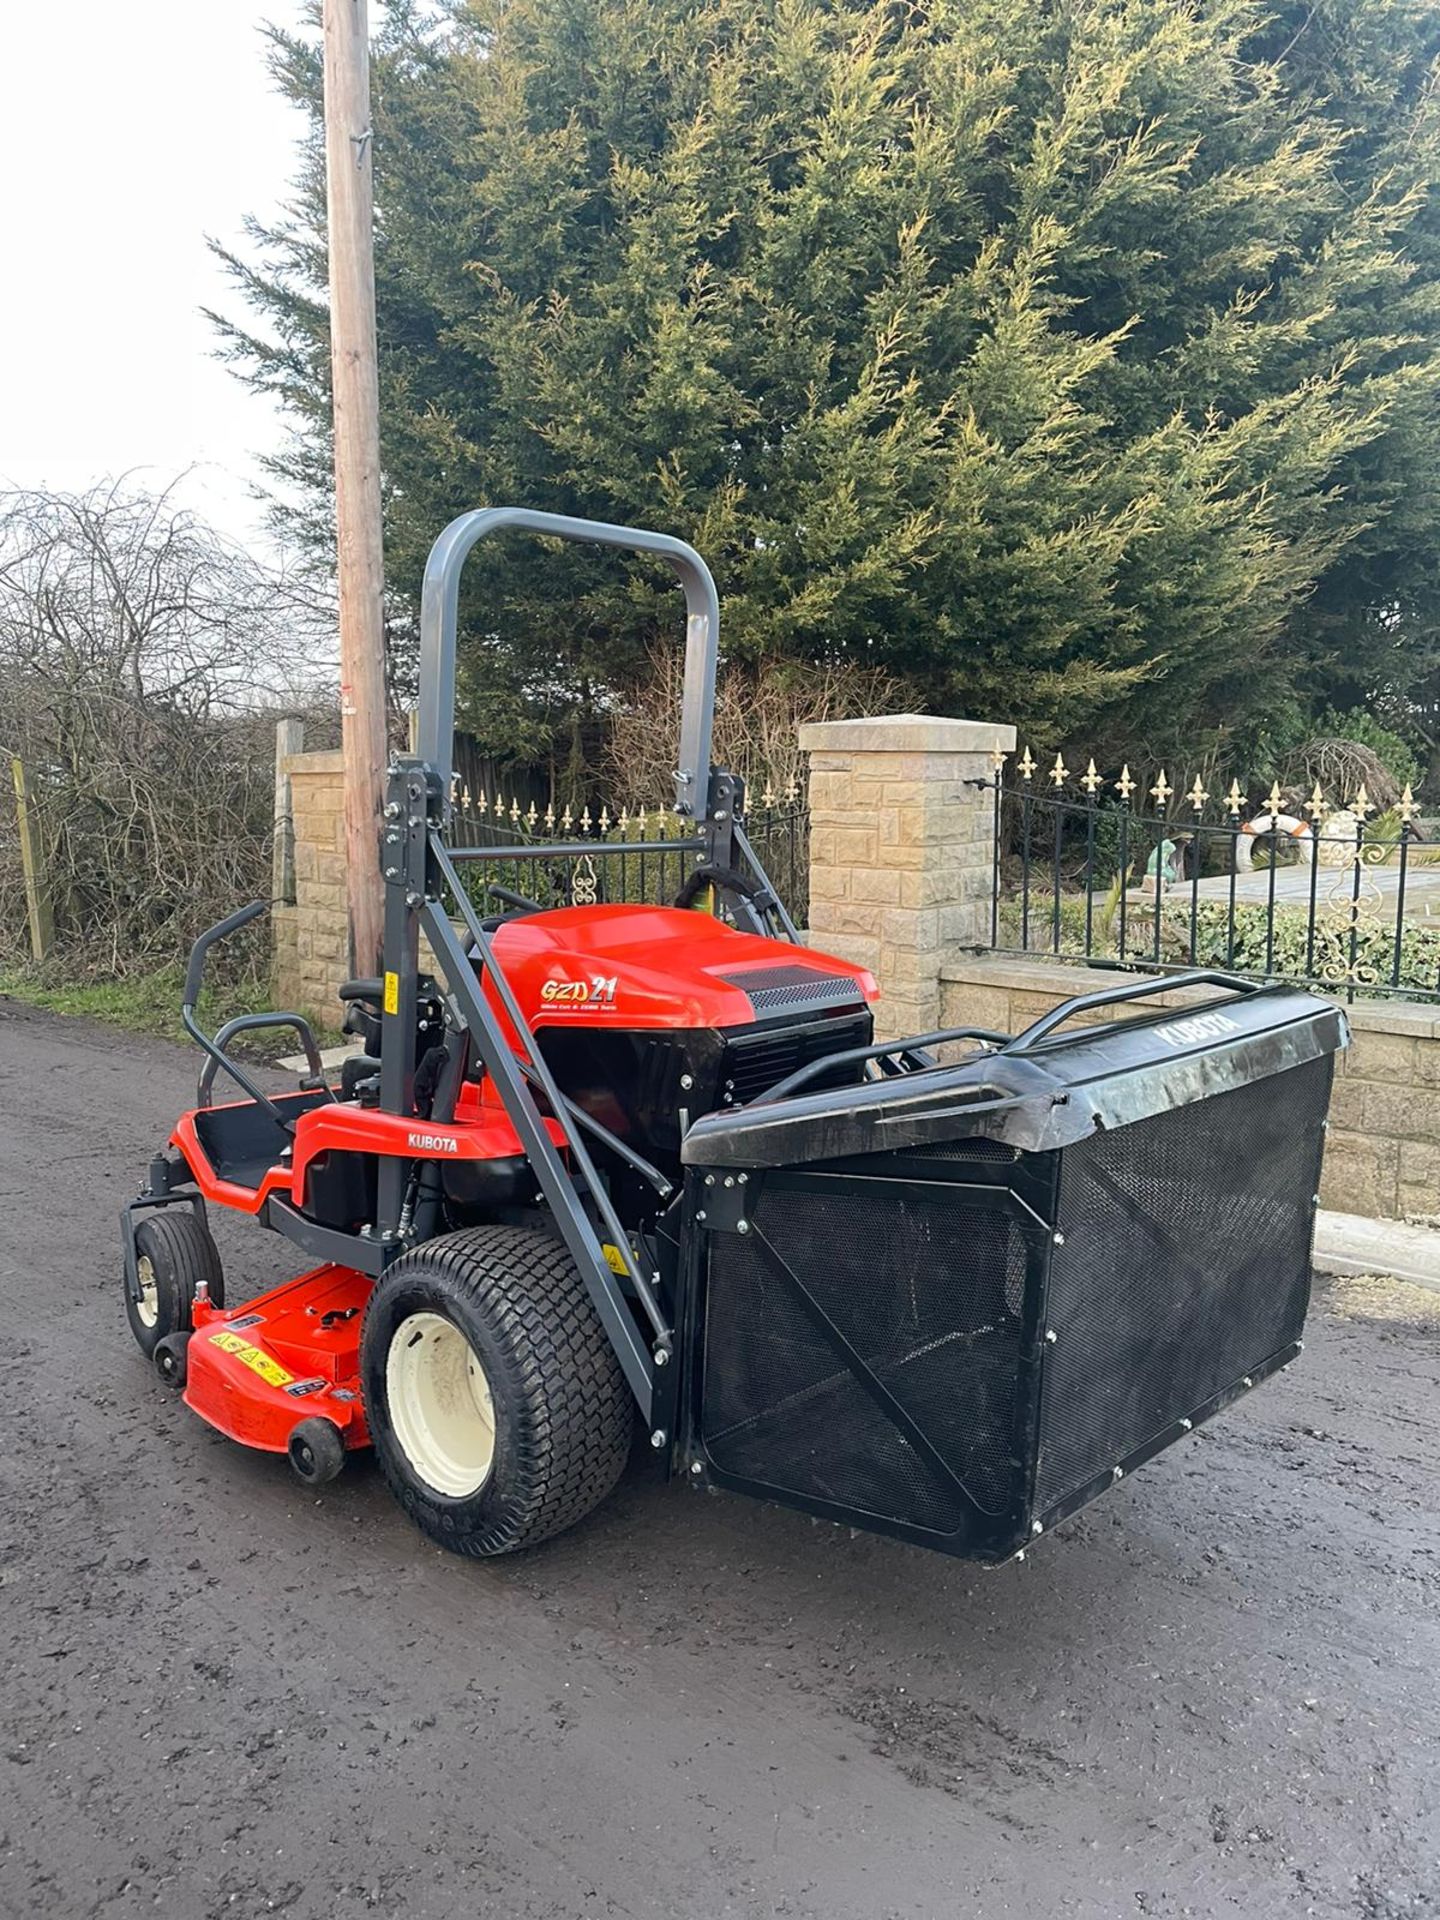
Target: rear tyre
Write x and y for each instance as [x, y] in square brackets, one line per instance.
[496, 1405]
[317, 1451]
[174, 1252]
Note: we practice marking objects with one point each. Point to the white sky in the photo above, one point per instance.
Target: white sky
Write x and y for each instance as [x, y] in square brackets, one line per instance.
[127, 134]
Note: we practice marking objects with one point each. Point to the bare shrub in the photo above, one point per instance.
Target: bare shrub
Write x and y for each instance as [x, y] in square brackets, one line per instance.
[143, 663]
[758, 711]
[1341, 768]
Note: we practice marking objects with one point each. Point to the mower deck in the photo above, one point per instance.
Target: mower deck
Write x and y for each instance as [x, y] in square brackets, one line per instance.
[255, 1372]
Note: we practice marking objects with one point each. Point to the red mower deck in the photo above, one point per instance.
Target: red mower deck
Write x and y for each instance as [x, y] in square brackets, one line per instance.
[255, 1372]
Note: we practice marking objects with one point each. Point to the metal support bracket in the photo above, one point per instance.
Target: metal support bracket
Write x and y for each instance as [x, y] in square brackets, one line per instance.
[724, 1199]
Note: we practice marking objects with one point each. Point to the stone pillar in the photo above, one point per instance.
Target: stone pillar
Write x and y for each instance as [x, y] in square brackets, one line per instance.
[312, 938]
[902, 851]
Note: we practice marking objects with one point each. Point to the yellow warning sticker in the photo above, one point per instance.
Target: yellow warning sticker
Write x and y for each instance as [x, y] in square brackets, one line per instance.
[258, 1361]
[392, 993]
[614, 1259]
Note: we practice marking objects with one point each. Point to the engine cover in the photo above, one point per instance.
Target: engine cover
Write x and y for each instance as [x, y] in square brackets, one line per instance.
[650, 1017]
[648, 967]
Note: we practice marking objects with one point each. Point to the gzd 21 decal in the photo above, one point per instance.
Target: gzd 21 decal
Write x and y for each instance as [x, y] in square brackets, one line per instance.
[597, 991]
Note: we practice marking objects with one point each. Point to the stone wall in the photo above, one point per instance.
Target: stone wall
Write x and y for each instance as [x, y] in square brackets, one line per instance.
[1382, 1158]
[901, 850]
[312, 939]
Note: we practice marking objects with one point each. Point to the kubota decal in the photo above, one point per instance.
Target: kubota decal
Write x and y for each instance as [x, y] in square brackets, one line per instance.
[433, 1142]
[597, 991]
[1200, 1026]
[258, 1361]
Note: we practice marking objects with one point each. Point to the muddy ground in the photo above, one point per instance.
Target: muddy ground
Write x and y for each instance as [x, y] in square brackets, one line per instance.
[1215, 1693]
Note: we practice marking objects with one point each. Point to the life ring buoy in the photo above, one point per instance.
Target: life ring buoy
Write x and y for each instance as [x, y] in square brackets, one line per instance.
[1300, 831]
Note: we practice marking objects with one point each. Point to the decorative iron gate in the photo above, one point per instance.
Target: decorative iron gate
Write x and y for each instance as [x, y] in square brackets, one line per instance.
[642, 855]
[1134, 873]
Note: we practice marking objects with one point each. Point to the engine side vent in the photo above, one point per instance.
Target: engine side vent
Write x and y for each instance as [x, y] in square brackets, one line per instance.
[792, 989]
[755, 1062]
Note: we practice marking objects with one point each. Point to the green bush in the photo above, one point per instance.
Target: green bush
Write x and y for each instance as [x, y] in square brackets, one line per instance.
[1293, 952]
[1290, 952]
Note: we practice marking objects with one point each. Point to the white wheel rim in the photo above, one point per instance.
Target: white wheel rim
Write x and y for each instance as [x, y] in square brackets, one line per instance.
[440, 1405]
[148, 1305]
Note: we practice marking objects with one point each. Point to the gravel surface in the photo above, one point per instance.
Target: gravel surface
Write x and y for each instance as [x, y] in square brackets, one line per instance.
[1217, 1692]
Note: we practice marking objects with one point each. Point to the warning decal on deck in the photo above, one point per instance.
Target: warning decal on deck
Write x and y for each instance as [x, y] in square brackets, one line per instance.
[258, 1361]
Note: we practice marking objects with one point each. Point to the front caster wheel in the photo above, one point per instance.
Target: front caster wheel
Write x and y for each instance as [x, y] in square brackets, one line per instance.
[496, 1404]
[316, 1450]
[170, 1359]
[174, 1252]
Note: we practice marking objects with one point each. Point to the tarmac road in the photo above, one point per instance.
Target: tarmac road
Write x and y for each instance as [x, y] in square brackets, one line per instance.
[1215, 1693]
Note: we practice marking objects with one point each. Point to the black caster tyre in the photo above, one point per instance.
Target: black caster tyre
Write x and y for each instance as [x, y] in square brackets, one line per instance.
[317, 1451]
[174, 1251]
[170, 1359]
[496, 1405]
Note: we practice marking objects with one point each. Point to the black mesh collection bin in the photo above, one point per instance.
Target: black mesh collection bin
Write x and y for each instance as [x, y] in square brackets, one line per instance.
[958, 1304]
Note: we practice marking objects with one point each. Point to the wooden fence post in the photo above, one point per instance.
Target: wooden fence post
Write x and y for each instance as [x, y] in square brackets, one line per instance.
[289, 738]
[37, 891]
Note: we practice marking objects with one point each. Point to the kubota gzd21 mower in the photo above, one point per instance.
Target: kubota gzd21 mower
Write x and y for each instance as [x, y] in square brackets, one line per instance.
[614, 1156]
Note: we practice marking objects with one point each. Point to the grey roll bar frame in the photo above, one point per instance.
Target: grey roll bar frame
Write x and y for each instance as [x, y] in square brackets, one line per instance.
[420, 871]
[439, 622]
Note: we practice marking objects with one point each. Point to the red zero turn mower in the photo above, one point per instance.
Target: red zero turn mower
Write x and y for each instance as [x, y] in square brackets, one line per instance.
[614, 1156]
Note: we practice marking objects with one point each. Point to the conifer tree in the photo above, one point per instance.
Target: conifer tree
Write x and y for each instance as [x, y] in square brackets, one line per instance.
[1079, 365]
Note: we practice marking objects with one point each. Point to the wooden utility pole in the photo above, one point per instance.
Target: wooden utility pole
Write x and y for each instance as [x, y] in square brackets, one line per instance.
[37, 893]
[356, 402]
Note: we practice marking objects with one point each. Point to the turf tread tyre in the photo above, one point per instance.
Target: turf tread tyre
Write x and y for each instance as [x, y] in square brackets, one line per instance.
[182, 1252]
[564, 1415]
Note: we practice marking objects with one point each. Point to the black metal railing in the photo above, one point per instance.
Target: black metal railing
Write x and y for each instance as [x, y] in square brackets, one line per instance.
[643, 856]
[778, 826]
[1121, 872]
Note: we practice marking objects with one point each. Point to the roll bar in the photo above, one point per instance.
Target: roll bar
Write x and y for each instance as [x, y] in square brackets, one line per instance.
[439, 615]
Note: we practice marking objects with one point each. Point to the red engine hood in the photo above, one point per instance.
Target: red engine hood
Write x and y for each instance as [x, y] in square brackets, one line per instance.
[663, 967]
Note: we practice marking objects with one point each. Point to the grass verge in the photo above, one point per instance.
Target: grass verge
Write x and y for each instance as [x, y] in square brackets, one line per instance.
[150, 1003]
